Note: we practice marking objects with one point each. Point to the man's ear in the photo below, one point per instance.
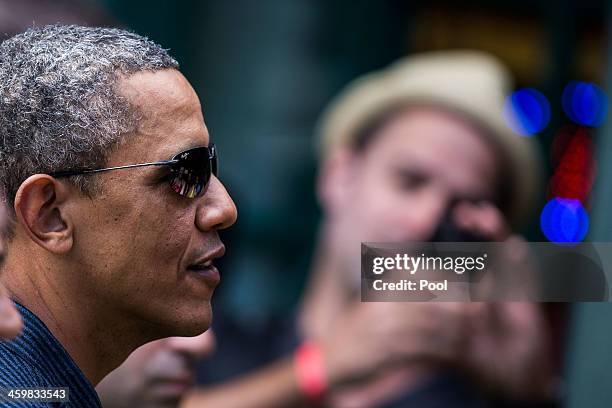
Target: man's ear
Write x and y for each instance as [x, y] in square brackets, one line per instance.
[40, 210]
[335, 181]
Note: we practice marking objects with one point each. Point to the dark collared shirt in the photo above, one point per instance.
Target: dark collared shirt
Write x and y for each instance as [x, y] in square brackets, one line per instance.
[37, 359]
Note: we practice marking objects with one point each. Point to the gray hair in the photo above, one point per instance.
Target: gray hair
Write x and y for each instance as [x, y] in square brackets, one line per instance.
[59, 108]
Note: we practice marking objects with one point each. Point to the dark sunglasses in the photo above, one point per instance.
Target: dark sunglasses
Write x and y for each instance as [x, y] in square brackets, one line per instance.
[190, 171]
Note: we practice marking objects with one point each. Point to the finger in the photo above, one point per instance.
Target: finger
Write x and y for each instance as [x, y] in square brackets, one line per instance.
[10, 319]
[482, 219]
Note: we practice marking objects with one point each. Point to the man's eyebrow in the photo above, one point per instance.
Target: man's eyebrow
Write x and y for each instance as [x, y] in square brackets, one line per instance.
[185, 148]
[159, 170]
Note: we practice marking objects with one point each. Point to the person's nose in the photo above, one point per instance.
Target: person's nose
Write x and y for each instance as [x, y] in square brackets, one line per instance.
[194, 347]
[216, 209]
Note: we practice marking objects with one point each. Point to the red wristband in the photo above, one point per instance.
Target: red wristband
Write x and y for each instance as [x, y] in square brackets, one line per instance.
[310, 371]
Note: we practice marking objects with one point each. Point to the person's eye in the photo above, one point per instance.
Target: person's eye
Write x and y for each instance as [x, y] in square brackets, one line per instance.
[410, 180]
[159, 178]
[164, 175]
[164, 178]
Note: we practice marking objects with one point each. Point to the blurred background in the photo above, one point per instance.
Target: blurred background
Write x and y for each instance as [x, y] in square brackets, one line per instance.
[265, 70]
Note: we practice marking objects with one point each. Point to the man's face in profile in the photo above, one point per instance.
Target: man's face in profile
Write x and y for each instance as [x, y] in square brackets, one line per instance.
[10, 320]
[401, 185]
[156, 375]
[146, 250]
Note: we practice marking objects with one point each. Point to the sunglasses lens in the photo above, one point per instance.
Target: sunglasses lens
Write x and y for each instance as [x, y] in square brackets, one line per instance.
[191, 173]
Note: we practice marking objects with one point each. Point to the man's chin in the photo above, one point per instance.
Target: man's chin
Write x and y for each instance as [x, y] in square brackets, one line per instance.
[185, 320]
[194, 324]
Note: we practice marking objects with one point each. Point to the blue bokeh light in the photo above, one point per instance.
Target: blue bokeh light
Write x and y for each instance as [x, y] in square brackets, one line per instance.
[564, 220]
[527, 111]
[585, 103]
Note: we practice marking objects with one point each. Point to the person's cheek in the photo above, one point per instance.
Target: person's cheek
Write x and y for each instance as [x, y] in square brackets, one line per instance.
[384, 214]
[171, 240]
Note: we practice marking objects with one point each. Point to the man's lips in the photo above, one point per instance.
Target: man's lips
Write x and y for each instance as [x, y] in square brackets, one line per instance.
[210, 273]
[206, 260]
[204, 265]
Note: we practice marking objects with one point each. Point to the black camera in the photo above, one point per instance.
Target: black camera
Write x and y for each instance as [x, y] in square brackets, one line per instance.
[448, 231]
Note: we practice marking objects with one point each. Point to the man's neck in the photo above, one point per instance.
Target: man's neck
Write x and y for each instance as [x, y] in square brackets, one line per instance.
[92, 334]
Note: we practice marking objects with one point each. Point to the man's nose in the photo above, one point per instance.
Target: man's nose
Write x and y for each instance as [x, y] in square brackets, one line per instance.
[194, 347]
[217, 209]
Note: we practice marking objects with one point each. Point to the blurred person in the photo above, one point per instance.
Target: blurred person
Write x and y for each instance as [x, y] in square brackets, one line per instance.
[157, 374]
[110, 175]
[402, 149]
[10, 320]
[17, 16]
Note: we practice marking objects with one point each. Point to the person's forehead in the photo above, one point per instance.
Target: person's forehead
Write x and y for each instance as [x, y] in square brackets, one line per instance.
[437, 144]
[170, 115]
[430, 134]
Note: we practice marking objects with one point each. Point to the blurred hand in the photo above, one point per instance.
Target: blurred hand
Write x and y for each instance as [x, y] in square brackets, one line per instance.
[509, 344]
[509, 351]
[371, 336]
[482, 219]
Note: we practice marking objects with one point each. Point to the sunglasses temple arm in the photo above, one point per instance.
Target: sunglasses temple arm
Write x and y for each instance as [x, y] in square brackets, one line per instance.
[129, 166]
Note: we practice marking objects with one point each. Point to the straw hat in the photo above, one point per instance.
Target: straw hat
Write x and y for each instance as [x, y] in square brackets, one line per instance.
[470, 83]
